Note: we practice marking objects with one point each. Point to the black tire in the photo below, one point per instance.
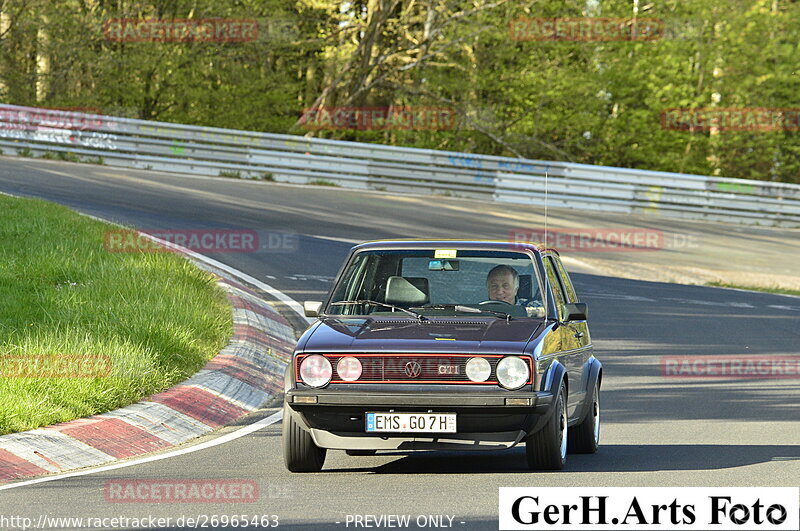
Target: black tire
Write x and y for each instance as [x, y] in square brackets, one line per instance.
[360, 452]
[300, 454]
[546, 449]
[585, 437]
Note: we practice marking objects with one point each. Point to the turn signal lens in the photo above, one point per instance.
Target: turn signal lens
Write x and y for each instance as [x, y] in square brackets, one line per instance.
[349, 369]
[309, 400]
[478, 369]
[316, 370]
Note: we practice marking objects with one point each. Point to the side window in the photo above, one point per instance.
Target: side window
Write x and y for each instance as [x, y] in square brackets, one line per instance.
[566, 283]
[354, 283]
[347, 287]
[555, 287]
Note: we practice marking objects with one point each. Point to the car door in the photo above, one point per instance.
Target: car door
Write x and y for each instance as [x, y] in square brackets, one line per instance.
[578, 335]
[571, 335]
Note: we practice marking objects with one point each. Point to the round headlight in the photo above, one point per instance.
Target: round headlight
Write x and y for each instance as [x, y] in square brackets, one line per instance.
[316, 370]
[478, 369]
[349, 369]
[512, 372]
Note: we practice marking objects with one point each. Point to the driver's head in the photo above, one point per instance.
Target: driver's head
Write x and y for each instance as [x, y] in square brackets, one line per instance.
[502, 284]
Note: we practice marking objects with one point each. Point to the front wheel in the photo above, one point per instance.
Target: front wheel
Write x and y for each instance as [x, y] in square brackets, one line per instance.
[547, 448]
[300, 454]
[585, 437]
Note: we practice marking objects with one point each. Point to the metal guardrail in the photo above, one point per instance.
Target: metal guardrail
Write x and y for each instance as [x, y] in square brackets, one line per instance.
[213, 151]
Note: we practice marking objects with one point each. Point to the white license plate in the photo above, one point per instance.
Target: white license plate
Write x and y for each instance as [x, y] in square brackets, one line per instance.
[412, 422]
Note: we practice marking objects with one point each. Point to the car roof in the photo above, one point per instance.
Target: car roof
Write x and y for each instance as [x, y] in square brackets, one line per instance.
[500, 245]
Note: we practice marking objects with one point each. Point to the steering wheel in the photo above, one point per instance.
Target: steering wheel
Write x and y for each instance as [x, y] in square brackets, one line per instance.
[494, 301]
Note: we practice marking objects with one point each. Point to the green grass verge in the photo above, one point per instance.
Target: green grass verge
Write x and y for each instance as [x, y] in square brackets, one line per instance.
[64, 297]
[781, 291]
[323, 182]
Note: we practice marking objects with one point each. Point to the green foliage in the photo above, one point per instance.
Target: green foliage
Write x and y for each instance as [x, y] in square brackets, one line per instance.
[322, 182]
[584, 101]
[60, 155]
[233, 174]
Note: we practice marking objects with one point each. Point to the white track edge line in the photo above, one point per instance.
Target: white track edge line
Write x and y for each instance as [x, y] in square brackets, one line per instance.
[250, 428]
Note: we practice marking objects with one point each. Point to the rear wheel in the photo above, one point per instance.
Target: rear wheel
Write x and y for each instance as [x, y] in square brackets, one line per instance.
[547, 448]
[585, 437]
[300, 454]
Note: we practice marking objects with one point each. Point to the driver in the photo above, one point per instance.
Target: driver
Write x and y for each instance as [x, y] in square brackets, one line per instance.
[502, 283]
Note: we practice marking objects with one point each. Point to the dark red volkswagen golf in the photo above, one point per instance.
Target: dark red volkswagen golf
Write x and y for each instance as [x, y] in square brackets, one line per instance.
[426, 345]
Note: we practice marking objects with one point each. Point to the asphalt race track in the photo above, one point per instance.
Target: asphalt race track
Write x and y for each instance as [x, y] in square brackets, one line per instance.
[656, 430]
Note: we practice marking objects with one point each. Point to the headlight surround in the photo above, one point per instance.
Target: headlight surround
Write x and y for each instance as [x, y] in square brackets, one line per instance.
[512, 372]
[316, 370]
[478, 369]
[349, 369]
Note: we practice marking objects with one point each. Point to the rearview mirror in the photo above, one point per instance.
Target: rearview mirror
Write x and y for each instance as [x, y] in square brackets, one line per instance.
[443, 265]
[311, 308]
[577, 311]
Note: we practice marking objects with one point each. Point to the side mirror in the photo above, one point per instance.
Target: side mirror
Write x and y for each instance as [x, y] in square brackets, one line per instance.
[577, 311]
[312, 308]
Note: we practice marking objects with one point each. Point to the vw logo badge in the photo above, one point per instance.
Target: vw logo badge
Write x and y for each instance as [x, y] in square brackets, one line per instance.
[412, 369]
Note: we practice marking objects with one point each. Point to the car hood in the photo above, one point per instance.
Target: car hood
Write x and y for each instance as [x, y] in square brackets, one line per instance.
[435, 335]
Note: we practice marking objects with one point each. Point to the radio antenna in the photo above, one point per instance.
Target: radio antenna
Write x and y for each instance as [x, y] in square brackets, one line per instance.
[546, 279]
[545, 207]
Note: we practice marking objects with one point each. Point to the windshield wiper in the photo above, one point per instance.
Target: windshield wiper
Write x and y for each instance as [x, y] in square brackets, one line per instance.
[467, 309]
[412, 313]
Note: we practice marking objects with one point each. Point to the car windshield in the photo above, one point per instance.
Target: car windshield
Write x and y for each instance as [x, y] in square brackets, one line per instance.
[438, 282]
